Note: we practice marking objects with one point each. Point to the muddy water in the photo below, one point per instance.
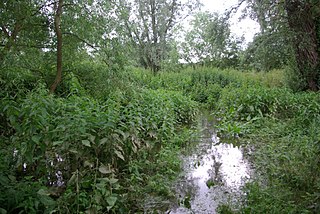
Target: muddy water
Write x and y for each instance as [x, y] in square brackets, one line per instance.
[213, 174]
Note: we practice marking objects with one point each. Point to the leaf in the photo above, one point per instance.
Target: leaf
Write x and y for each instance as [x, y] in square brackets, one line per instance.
[72, 179]
[86, 143]
[104, 180]
[134, 147]
[104, 169]
[56, 143]
[73, 151]
[43, 192]
[148, 144]
[47, 201]
[103, 141]
[12, 178]
[36, 138]
[3, 211]
[113, 180]
[92, 138]
[112, 201]
[97, 198]
[118, 153]
[87, 163]
[121, 132]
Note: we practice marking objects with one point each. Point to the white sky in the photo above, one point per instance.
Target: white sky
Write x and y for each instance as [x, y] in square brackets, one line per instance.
[246, 27]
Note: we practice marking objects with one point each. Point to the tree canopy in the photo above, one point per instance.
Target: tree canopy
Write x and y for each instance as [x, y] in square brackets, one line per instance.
[147, 30]
[210, 41]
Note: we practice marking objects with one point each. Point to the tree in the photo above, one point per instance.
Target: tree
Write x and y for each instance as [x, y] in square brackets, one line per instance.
[304, 22]
[149, 25]
[32, 30]
[299, 21]
[266, 52]
[22, 26]
[210, 40]
[83, 29]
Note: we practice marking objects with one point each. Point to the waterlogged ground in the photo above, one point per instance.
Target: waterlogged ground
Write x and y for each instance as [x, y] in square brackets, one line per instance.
[213, 174]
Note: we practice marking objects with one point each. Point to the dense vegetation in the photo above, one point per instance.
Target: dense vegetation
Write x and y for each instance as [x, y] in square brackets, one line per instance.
[95, 106]
[76, 152]
[279, 125]
[104, 150]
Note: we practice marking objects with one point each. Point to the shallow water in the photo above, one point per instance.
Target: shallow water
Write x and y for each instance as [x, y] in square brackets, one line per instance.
[212, 175]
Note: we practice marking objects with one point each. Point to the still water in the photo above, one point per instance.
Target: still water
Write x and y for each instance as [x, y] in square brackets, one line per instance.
[213, 174]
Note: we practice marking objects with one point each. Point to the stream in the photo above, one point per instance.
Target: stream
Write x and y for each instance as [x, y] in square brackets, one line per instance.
[213, 174]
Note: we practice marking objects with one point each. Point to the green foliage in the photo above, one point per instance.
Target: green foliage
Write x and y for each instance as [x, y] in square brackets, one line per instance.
[224, 209]
[281, 126]
[16, 83]
[75, 152]
[109, 137]
[287, 155]
[209, 41]
[267, 51]
[111, 134]
[28, 40]
[287, 39]
[152, 28]
[205, 85]
[269, 200]
[245, 103]
[101, 81]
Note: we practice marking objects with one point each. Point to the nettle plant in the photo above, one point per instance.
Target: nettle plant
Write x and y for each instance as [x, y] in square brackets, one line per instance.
[77, 150]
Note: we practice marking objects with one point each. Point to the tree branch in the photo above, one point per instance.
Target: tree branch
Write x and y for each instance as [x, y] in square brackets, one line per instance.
[234, 9]
[80, 39]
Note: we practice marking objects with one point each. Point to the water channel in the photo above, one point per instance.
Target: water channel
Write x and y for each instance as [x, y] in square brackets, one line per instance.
[213, 174]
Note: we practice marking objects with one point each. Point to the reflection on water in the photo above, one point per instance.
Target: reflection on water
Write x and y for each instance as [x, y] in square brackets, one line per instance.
[213, 175]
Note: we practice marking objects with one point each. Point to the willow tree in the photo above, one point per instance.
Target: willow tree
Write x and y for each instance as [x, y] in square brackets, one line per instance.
[299, 21]
[150, 25]
[81, 25]
[22, 25]
[209, 40]
[304, 22]
[31, 33]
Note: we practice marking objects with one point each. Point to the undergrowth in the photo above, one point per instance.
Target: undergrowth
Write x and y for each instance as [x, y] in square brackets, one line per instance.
[107, 139]
[260, 111]
[85, 150]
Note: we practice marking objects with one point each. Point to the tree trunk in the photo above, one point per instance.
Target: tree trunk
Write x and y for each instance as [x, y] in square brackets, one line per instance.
[155, 59]
[301, 21]
[57, 27]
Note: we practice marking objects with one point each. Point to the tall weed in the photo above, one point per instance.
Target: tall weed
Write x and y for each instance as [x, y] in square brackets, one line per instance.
[281, 126]
[77, 151]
